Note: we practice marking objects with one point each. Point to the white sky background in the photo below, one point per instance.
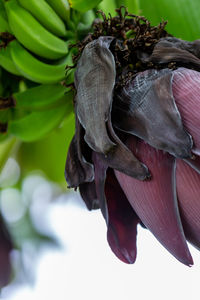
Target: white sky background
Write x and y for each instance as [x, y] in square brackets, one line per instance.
[86, 269]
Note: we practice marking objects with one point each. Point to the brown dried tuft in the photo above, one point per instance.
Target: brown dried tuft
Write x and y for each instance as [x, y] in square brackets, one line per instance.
[134, 36]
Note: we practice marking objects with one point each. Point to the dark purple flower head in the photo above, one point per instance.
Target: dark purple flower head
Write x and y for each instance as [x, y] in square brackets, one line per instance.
[135, 153]
[5, 250]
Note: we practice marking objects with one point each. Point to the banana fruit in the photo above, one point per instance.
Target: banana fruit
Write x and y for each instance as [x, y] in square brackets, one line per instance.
[42, 97]
[2, 10]
[43, 12]
[62, 8]
[6, 61]
[1, 85]
[4, 27]
[34, 69]
[30, 33]
[35, 125]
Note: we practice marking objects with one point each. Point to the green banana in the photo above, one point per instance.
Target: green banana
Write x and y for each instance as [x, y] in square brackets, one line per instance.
[2, 10]
[37, 124]
[61, 7]
[1, 84]
[43, 12]
[6, 61]
[42, 97]
[5, 115]
[32, 34]
[1, 89]
[4, 26]
[88, 17]
[33, 69]
[83, 6]
[84, 26]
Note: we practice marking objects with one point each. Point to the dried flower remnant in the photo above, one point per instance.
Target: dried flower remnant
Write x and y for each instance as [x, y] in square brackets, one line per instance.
[135, 153]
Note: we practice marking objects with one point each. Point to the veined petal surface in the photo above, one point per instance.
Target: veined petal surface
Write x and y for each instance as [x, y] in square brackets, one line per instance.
[155, 202]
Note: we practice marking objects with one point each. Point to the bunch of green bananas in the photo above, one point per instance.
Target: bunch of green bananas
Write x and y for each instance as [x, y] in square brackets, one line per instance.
[40, 51]
[34, 47]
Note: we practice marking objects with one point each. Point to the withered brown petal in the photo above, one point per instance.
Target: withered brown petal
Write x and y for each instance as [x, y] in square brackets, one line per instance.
[180, 52]
[122, 159]
[192, 47]
[146, 108]
[77, 169]
[88, 193]
[94, 82]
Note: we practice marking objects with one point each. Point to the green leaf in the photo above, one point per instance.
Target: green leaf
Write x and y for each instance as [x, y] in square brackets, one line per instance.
[83, 5]
[37, 124]
[182, 16]
[4, 27]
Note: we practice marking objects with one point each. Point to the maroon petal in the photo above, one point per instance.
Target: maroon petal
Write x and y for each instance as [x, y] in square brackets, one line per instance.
[194, 163]
[77, 169]
[188, 191]
[100, 169]
[186, 91]
[119, 216]
[122, 221]
[155, 203]
[5, 248]
[88, 194]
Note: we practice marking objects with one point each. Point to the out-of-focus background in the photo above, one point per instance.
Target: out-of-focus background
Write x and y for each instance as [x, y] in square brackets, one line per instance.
[60, 248]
